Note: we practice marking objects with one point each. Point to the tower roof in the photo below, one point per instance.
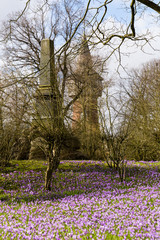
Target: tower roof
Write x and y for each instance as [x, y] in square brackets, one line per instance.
[85, 58]
[84, 47]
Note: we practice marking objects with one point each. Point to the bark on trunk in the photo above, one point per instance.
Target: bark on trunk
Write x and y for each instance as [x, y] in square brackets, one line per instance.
[48, 179]
[53, 163]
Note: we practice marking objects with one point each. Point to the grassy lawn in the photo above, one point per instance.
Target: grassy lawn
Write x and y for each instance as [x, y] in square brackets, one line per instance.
[87, 201]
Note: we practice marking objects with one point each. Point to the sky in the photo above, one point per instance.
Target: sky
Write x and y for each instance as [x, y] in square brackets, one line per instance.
[133, 60]
[9, 6]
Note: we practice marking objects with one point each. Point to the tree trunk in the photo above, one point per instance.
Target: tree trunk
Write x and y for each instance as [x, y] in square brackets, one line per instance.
[53, 163]
[122, 170]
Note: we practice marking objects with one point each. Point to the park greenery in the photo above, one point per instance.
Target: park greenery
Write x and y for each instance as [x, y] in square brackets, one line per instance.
[100, 179]
[87, 201]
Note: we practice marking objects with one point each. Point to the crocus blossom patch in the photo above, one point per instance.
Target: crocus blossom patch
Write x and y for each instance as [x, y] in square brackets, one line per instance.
[85, 204]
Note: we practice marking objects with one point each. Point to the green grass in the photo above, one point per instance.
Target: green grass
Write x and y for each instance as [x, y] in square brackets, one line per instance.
[4, 196]
[70, 174]
[40, 165]
[24, 165]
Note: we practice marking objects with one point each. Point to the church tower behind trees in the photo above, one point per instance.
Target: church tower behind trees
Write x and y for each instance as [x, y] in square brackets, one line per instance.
[85, 120]
[86, 77]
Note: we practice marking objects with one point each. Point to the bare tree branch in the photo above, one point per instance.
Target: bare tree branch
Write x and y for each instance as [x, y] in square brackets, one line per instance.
[75, 30]
[133, 17]
[150, 4]
[21, 14]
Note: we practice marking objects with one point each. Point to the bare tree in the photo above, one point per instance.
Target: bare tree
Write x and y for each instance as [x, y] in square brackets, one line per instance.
[143, 95]
[115, 130]
[23, 51]
[24, 32]
[95, 15]
[15, 108]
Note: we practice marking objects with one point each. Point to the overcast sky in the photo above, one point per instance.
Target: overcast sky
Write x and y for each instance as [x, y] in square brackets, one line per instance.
[9, 6]
[134, 60]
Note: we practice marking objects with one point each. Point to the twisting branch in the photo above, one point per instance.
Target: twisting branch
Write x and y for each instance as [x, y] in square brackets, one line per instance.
[77, 27]
[72, 101]
[151, 5]
[133, 17]
[15, 20]
[21, 14]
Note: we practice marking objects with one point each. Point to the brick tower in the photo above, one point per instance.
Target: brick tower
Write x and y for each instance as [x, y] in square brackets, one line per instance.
[85, 108]
[85, 121]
